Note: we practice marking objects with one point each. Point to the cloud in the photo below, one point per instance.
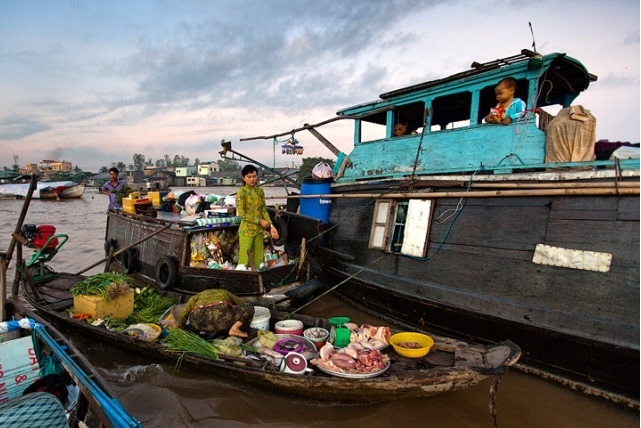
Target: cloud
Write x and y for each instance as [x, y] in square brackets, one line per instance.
[16, 127]
[154, 78]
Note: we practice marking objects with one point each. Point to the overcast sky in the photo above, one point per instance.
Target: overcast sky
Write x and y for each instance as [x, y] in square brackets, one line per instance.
[94, 82]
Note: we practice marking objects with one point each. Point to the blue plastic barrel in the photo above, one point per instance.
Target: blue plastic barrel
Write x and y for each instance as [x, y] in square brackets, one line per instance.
[316, 207]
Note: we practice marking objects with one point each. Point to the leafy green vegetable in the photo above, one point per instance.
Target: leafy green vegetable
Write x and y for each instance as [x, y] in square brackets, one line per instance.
[115, 324]
[149, 305]
[99, 284]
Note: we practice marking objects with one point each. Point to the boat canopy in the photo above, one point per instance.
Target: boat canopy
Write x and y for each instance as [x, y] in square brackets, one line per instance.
[444, 118]
[554, 79]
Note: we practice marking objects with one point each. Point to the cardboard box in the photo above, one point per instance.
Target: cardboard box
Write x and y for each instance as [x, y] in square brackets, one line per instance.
[154, 197]
[120, 307]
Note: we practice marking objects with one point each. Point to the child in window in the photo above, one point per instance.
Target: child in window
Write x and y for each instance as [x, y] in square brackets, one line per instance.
[508, 108]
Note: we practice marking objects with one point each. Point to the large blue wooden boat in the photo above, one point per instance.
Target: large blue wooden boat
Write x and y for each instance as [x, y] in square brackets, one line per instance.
[490, 231]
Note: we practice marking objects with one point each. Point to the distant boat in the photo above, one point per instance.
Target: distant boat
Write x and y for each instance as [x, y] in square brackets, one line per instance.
[45, 190]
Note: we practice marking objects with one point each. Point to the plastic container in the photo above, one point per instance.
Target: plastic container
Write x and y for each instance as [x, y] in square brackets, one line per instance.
[155, 198]
[317, 335]
[422, 342]
[294, 327]
[319, 208]
[261, 318]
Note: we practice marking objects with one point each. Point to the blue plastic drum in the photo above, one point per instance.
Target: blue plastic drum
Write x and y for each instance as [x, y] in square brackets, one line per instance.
[319, 208]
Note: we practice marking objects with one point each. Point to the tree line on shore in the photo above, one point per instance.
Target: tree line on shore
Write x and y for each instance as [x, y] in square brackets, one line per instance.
[140, 162]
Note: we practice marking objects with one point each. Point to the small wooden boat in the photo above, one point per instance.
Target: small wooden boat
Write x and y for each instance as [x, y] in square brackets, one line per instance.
[72, 191]
[45, 190]
[63, 388]
[449, 366]
[173, 251]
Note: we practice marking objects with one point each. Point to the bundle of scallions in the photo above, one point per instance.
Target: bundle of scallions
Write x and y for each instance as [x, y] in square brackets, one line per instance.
[183, 342]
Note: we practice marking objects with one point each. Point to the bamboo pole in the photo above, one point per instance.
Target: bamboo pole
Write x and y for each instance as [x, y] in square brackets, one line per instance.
[122, 250]
[23, 214]
[555, 185]
[3, 285]
[596, 191]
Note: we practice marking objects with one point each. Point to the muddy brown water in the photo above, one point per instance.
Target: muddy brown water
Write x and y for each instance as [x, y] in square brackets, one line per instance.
[159, 397]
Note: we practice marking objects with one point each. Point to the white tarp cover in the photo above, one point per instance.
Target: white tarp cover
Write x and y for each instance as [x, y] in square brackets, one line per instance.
[571, 136]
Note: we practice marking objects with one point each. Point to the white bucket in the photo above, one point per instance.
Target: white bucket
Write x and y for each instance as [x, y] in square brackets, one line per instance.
[261, 318]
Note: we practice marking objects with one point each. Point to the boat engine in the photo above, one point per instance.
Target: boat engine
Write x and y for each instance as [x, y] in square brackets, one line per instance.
[46, 243]
[39, 236]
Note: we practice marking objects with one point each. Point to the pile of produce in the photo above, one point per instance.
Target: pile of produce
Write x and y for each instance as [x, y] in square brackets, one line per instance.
[149, 305]
[108, 285]
[184, 342]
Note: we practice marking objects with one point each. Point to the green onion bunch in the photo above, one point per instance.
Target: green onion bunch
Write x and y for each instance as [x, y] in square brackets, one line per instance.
[184, 342]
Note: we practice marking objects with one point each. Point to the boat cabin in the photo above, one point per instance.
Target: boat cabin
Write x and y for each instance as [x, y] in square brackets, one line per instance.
[445, 128]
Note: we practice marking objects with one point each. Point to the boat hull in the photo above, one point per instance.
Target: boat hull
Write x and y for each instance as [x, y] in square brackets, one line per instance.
[449, 366]
[479, 282]
[72, 192]
[96, 402]
[175, 243]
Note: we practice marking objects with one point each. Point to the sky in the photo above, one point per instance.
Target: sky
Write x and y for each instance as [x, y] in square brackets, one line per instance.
[95, 82]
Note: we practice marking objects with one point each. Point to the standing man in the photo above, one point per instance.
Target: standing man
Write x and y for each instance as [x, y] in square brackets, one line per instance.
[111, 187]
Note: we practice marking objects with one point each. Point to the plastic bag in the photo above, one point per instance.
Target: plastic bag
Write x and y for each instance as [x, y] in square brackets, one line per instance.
[193, 203]
[322, 170]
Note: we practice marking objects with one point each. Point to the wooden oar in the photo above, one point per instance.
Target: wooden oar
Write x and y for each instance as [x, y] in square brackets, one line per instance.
[122, 250]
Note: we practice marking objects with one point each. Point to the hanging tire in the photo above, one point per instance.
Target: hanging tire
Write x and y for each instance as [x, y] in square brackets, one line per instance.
[166, 272]
[110, 245]
[129, 261]
[281, 227]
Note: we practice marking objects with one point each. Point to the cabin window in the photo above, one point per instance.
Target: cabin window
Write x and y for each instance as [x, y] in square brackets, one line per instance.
[451, 111]
[372, 131]
[412, 114]
[378, 235]
[402, 226]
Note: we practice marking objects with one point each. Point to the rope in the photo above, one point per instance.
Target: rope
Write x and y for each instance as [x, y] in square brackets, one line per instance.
[48, 365]
[418, 149]
[493, 391]
[337, 285]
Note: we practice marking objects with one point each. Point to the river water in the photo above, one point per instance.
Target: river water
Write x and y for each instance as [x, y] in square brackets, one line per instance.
[158, 397]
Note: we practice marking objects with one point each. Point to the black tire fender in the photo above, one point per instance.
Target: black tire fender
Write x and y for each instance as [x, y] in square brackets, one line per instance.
[281, 227]
[110, 244]
[166, 272]
[129, 261]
